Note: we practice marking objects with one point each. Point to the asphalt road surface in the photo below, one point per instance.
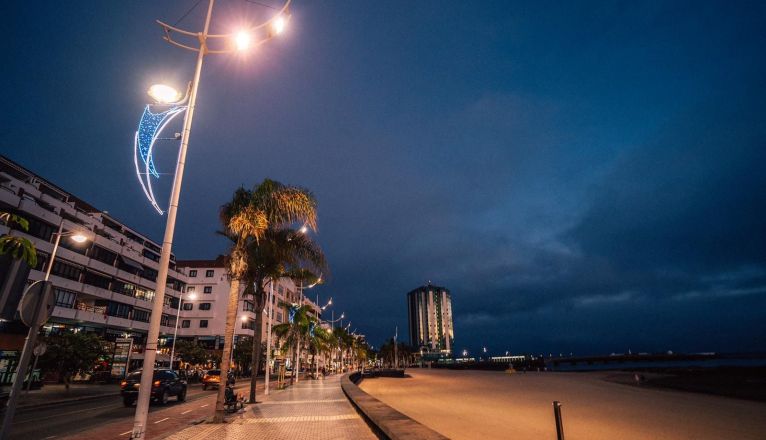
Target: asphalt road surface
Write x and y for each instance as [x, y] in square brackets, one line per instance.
[107, 418]
[495, 405]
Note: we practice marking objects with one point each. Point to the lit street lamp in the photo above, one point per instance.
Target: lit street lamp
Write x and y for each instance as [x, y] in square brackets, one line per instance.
[192, 297]
[34, 328]
[267, 30]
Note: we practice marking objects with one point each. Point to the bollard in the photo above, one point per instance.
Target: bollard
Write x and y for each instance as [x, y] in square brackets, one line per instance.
[557, 416]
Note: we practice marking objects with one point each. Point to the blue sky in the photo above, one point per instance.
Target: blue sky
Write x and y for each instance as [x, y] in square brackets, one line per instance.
[584, 177]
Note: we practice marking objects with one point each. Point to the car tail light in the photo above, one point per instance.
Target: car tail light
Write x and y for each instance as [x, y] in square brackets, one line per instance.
[123, 384]
[156, 384]
[206, 377]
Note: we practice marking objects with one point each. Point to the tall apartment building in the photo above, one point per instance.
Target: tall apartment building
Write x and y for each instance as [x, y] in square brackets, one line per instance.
[430, 320]
[105, 285]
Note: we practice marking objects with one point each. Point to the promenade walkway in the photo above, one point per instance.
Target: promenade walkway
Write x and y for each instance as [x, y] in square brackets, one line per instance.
[311, 409]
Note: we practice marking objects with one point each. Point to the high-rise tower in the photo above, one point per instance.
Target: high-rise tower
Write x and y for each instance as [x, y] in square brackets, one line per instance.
[430, 320]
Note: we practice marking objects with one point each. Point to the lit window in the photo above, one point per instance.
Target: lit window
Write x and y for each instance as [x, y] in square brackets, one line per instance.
[209, 273]
[193, 273]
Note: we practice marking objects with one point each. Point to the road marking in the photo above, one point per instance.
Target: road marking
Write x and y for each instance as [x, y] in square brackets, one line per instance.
[161, 420]
[187, 411]
[50, 436]
[127, 432]
[207, 404]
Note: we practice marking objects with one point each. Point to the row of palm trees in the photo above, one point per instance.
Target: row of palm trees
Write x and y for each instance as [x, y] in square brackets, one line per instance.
[304, 330]
[265, 226]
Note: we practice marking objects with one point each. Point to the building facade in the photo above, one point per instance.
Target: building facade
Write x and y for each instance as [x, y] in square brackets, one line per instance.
[430, 320]
[105, 285]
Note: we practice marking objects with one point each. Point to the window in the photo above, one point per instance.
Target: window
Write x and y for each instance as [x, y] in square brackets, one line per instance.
[209, 273]
[208, 289]
[248, 325]
[204, 306]
[248, 306]
[203, 323]
[103, 255]
[185, 323]
[149, 274]
[280, 289]
[190, 289]
[150, 255]
[279, 316]
[118, 310]
[123, 287]
[64, 298]
[65, 270]
[140, 315]
[193, 273]
[97, 280]
[188, 306]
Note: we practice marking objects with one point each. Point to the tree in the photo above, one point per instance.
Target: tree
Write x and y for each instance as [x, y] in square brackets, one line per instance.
[19, 248]
[191, 352]
[281, 250]
[293, 332]
[243, 354]
[69, 353]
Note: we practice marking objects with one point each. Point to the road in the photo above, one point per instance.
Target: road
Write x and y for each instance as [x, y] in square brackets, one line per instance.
[493, 405]
[107, 418]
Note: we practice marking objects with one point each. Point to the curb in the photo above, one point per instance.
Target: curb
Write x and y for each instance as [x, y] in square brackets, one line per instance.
[387, 422]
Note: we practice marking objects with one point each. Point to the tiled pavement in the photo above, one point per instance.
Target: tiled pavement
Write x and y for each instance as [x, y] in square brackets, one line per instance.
[311, 409]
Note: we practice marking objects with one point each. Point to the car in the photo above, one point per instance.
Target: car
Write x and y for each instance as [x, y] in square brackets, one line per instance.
[165, 384]
[212, 379]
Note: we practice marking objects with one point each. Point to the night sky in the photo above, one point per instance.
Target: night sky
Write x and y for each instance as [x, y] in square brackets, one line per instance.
[584, 178]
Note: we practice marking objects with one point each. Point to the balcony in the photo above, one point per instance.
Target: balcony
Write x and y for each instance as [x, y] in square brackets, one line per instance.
[59, 204]
[112, 245]
[8, 196]
[86, 218]
[63, 312]
[140, 325]
[64, 283]
[38, 211]
[96, 291]
[102, 267]
[66, 254]
[86, 313]
[132, 253]
[113, 321]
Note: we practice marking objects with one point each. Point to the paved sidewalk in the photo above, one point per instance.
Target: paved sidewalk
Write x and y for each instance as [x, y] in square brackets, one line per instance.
[311, 409]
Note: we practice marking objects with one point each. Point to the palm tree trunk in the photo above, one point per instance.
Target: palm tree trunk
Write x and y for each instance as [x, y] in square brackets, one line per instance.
[257, 335]
[228, 338]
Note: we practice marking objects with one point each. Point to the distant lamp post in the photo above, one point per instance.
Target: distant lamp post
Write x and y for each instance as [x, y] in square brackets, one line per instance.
[192, 297]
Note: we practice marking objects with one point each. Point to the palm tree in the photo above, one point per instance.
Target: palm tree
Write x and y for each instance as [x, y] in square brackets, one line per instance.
[294, 331]
[19, 248]
[243, 223]
[280, 250]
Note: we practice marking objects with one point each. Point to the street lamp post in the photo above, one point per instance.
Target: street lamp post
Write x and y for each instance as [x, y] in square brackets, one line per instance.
[267, 375]
[29, 343]
[242, 42]
[192, 297]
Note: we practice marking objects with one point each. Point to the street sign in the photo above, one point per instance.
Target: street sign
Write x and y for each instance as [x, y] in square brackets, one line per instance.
[41, 291]
[40, 349]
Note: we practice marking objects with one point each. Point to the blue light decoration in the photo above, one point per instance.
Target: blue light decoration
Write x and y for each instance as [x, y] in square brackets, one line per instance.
[291, 312]
[311, 329]
[149, 128]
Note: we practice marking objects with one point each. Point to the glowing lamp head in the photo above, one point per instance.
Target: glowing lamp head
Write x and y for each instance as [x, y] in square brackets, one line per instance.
[79, 238]
[164, 94]
[244, 318]
[278, 25]
[303, 229]
[242, 39]
[192, 296]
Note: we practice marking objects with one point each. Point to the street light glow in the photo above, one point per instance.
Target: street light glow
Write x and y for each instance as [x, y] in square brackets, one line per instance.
[192, 296]
[279, 25]
[79, 237]
[242, 40]
[163, 94]
[303, 229]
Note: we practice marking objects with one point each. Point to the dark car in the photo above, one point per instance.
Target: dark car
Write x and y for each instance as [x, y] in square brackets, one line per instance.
[165, 383]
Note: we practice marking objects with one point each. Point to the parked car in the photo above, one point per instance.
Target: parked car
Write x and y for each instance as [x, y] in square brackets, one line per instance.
[165, 384]
[212, 379]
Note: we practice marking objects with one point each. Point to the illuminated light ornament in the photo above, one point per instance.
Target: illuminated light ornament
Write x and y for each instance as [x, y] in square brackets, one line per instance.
[311, 329]
[149, 129]
[291, 313]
